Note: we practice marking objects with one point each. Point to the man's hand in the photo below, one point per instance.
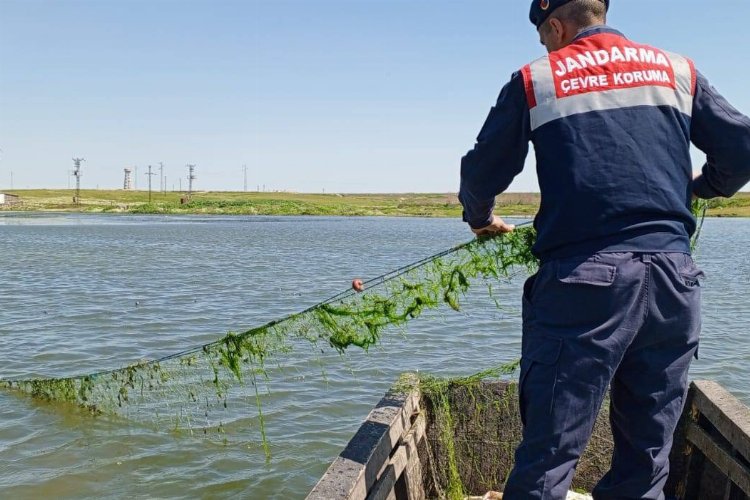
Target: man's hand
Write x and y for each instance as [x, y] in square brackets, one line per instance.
[496, 227]
[696, 174]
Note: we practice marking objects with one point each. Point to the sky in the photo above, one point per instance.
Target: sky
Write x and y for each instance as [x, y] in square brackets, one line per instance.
[308, 95]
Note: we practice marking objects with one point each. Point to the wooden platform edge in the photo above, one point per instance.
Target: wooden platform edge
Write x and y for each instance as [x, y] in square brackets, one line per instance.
[381, 449]
[727, 413]
[714, 439]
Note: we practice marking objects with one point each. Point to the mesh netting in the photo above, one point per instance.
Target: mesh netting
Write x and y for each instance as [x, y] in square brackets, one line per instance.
[195, 388]
[473, 430]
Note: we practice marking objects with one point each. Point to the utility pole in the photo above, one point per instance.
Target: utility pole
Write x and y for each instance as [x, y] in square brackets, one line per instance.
[180, 185]
[244, 167]
[11, 180]
[191, 178]
[149, 182]
[136, 177]
[77, 173]
[161, 177]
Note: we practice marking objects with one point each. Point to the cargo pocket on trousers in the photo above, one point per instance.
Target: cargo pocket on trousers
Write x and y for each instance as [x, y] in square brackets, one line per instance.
[580, 295]
[586, 272]
[536, 384]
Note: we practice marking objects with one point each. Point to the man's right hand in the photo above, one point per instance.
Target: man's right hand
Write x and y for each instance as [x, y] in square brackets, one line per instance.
[497, 226]
[696, 174]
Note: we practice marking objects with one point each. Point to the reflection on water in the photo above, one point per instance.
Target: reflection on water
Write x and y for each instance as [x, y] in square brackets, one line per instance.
[81, 293]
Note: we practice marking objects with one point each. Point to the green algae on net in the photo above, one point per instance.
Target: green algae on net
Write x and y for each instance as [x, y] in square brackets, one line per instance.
[191, 388]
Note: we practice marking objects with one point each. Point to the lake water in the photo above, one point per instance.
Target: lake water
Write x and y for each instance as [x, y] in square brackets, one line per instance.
[80, 293]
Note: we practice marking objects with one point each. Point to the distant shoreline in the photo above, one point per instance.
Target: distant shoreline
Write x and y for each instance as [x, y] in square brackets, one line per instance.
[284, 203]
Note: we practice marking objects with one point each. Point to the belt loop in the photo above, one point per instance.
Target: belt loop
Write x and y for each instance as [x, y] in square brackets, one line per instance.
[646, 258]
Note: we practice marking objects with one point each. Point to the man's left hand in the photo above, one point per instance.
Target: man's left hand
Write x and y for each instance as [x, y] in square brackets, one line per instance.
[497, 226]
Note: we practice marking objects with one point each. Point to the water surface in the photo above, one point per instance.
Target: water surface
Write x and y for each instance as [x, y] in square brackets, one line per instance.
[81, 293]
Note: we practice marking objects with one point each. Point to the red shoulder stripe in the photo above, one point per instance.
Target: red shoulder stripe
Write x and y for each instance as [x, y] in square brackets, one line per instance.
[693, 76]
[528, 84]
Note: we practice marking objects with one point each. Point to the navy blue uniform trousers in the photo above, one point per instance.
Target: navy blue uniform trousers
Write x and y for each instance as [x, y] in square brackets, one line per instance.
[628, 321]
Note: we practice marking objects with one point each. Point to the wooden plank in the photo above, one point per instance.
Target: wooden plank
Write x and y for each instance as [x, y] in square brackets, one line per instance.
[730, 417]
[413, 471]
[691, 485]
[399, 428]
[734, 470]
[399, 460]
[383, 489]
[405, 453]
[357, 468]
[417, 431]
[408, 447]
[414, 480]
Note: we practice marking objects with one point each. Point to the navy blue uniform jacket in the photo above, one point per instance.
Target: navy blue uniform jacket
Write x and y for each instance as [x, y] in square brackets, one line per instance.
[611, 122]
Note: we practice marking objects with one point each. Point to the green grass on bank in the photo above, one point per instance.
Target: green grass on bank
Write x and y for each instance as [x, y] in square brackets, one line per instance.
[736, 206]
[254, 203]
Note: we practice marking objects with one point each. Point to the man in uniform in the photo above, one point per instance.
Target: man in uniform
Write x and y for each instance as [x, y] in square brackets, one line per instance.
[616, 301]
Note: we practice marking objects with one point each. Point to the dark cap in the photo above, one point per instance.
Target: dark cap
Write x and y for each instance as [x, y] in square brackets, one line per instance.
[541, 9]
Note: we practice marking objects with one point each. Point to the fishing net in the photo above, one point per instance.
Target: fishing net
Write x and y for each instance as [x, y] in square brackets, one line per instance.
[195, 389]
